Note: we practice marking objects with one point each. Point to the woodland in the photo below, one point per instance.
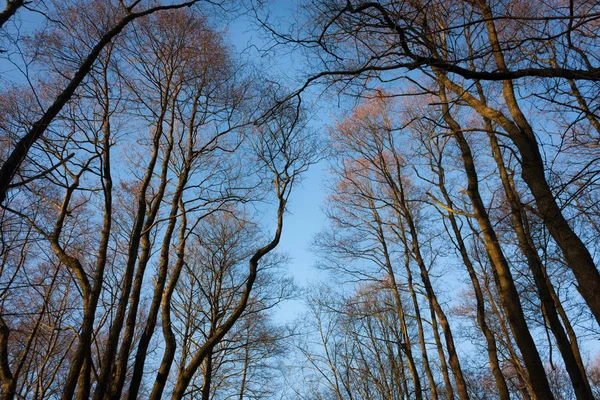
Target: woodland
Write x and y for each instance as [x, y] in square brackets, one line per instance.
[148, 170]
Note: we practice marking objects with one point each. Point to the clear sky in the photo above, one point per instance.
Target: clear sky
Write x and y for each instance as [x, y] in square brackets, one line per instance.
[305, 217]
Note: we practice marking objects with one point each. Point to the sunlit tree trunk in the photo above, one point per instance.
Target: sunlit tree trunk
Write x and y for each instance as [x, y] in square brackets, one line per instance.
[415, 251]
[574, 369]
[406, 346]
[502, 274]
[490, 339]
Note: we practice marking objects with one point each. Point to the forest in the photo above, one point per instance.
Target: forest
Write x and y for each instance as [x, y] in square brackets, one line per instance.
[151, 152]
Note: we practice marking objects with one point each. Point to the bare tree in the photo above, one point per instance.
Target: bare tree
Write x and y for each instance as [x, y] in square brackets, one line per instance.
[359, 42]
[123, 15]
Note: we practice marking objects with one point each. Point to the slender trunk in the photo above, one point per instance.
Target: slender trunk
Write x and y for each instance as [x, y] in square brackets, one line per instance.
[402, 383]
[423, 345]
[523, 385]
[169, 336]
[85, 339]
[591, 117]
[145, 254]
[569, 328]
[207, 376]
[407, 348]
[9, 384]
[246, 366]
[91, 296]
[406, 345]
[381, 384]
[441, 355]
[490, 339]
[84, 384]
[579, 380]
[415, 250]
[140, 225]
[502, 274]
[144, 342]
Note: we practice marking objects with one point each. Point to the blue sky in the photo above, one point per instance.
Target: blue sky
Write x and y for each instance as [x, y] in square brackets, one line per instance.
[305, 216]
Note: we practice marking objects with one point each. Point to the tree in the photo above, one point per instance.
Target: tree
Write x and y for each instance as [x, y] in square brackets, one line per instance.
[110, 235]
[283, 150]
[360, 42]
[124, 15]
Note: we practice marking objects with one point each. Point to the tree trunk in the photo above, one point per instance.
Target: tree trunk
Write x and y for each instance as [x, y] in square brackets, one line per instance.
[407, 347]
[419, 320]
[415, 250]
[502, 274]
[580, 383]
[169, 336]
[481, 321]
